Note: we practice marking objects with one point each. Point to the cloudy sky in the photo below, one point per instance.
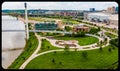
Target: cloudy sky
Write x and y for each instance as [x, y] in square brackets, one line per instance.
[59, 5]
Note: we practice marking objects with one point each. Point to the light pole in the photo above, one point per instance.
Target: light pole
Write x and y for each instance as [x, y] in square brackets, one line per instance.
[26, 18]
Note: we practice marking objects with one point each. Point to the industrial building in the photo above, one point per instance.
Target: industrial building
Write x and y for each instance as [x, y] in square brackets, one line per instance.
[113, 19]
[46, 26]
[101, 17]
[98, 17]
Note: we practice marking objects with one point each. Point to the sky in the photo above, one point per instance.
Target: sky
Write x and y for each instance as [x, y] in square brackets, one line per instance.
[59, 5]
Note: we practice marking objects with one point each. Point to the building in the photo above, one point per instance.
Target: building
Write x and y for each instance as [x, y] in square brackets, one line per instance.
[92, 9]
[46, 26]
[113, 19]
[116, 9]
[60, 24]
[111, 9]
[49, 12]
[98, 17]
[81, 27]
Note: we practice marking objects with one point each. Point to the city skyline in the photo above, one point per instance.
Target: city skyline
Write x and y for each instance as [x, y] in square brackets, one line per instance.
[58, 5]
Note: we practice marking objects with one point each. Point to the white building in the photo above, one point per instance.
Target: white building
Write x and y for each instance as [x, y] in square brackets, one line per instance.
[98, 17]
[113, 19]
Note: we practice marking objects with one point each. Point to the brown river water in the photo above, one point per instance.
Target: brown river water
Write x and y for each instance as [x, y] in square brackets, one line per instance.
[11, 40]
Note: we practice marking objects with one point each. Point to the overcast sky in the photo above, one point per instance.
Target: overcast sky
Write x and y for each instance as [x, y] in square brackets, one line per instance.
[59, 5]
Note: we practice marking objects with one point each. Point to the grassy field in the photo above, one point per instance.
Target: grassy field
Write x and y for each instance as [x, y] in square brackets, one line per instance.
[36, 18]
[39, 19]
[70, 21]
[110, 35]
[30, 46]
[45, 46]
[81, 40]
[95, 59]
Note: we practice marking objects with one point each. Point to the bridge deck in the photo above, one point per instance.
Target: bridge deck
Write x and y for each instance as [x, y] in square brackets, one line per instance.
[37, 31]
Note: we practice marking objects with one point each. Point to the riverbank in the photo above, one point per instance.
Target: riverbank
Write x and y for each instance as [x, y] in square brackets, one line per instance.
[29, 21]
[9, 57]
[13, 43]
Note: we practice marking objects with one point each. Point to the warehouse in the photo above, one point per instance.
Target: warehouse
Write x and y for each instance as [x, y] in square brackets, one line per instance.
[98, 17]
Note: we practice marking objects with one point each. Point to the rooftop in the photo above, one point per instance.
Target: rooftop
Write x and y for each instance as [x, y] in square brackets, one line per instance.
[99, 13]
[114, 17]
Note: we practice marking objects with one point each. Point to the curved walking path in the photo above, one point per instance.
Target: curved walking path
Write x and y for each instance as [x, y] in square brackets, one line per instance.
[34, 55]
[77, 45]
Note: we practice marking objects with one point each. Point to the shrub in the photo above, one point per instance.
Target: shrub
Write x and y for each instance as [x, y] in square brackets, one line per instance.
[114, 42]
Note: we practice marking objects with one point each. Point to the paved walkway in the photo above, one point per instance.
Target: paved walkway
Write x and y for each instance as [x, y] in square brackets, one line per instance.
[80, 48]
[33, 55]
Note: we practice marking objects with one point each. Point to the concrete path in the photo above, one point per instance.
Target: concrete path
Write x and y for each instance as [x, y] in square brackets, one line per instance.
[80, 48]
[33, 55]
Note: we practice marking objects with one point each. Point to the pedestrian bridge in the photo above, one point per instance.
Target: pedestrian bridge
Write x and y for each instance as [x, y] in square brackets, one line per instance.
[64, 32]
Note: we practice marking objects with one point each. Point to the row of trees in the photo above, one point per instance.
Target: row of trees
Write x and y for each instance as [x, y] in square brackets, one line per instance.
[78, 34]
[94, 30]
[114, 42]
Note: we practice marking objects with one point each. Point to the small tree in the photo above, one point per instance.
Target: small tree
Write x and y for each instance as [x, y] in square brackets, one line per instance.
[75, 49]
[105, 39]
[109, 49]
[53, 60]
[48, 47]
[101, 42]
[100, 47]
[84, 54]
[60, 63]
[98, 44]
[66, 48]
[55, 52]
[113, 47]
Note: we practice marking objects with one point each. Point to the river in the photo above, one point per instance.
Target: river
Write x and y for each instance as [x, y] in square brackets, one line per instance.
[11, 40]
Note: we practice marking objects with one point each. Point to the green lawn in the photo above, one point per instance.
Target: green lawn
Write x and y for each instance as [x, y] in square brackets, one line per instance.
[45, 46]
[39, 19]
[75, 60]
[82, 40]
[110, 35]
[70, 21]
[30, 46]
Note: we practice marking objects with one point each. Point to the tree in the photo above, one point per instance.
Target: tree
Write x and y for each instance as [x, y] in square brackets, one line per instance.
[105, 39]
[67, 28]
[98, 28]
[100, 47]
[109, 49]
[48, 47]
[98, 44]
[55, 52]
[76, 49]
[60, 63]
[53, 60]
[66, 48]
[84, 54]
[101, 42]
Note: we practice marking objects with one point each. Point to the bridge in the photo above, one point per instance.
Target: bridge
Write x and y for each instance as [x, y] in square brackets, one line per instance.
[62, 32]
